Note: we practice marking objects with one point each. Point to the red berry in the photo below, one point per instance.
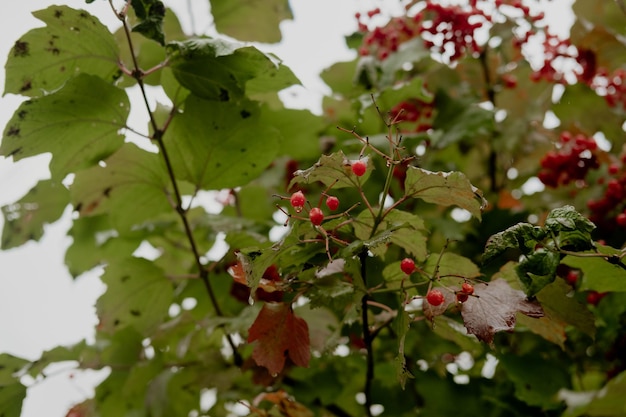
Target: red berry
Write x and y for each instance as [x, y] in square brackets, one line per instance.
[316, 216]
[407, 266]
[461, 297]
[614, 169]
[594, 297]
[621, 219]
[571, 277]
[332, 203]
[359, 168]
[435, 298]
[297, 200]
[467, 288]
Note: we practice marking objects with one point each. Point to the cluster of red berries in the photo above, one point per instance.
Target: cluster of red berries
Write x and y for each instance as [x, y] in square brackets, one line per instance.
[571, 161]
[447, 30]
[554, 50]
[316, 215]
[415, 112]
[435, 297]
[611, 208]
[611, 86]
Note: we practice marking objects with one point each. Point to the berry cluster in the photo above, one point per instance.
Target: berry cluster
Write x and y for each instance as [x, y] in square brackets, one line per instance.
[611, 86]
[448, 30]
[571, 161]
[554, 50]
[610, 210]
[415, 112]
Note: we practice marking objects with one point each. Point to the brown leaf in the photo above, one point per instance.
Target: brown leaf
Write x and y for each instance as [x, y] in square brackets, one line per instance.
[494, 309]
[279, 334]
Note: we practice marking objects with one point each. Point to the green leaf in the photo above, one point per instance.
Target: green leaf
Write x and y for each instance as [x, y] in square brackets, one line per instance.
[95, 242]
[522, 236]
[559, 305]
[538, 270]
[217, 145]
[138, 295]
[581, 108]
[451, 264]
[445, 189]
[572, 229]
[609, 401]
[24, 220]
[251, 20]
[10, 367]
[78, 124]
[132, 187]
[217, 69]
[150, 14]
[254, 262]
[598, 273]
[332, 169]
[460, 120]
[11, 398]
[532, 386]
[300, 132]
[73, 41]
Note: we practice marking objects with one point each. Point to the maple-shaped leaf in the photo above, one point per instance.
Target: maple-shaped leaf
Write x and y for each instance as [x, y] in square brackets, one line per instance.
[279, 334]
[494, 309]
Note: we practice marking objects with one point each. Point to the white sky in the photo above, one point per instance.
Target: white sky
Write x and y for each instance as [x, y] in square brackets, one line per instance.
[40, 305]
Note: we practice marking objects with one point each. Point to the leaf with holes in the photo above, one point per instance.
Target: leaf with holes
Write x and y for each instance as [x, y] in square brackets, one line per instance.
[72, 42]
[78, 124]
[444, 189]
[138, 295]
[494, 308]
[279, 334]
[211, 147]
[24, 220]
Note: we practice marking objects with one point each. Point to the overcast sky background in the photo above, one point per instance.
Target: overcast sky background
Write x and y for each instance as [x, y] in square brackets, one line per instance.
[40, 305]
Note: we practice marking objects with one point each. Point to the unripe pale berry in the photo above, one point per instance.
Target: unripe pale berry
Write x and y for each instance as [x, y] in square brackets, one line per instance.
[359, 168]
[297, 200]
[332, 203]
[316, 216]
[435, 298]
[407, 266]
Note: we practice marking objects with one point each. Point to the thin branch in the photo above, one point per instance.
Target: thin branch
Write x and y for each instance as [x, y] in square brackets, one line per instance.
[367, 339]
[157, 136]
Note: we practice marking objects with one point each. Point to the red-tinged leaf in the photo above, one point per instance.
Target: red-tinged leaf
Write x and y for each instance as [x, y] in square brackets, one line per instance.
[279, 333]
[494, 309]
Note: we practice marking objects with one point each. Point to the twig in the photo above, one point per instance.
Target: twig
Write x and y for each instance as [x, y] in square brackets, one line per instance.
[157, 136]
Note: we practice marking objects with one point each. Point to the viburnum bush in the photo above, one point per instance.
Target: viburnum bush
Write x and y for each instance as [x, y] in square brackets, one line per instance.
[446, 238]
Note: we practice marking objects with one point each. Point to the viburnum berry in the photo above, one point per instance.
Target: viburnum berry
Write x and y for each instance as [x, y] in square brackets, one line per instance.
[297, 200]
[594, 297]
[407, 266]
[359, 168]
[621, 219]
[316, 216]
[332, 203]
[467, 288]
[571, 277]
[461, 297]
[435, 298]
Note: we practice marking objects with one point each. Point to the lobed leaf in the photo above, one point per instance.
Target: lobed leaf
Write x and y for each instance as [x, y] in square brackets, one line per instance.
[279, 335]
[11, 399]
[538, 270]
[445, 189]
[24, 220]
[494, 309]
[79, 125]
[217, 69]
[72, 42]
